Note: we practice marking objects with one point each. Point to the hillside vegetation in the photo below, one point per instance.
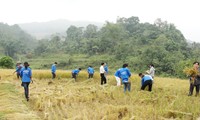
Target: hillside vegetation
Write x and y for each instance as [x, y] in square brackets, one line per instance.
[125, 41]
[63, 98]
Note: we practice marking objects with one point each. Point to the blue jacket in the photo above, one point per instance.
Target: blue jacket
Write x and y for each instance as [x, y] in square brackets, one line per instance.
[117, 73]
[53, 68]
[26, 74]
[145, 78]
[75, 71]
[90, 70]
[18, 68]
[106, 68]
[124, 74]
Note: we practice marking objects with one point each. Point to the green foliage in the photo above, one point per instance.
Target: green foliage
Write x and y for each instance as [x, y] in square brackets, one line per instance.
[126, 40]
[6, 62]
[14, 41]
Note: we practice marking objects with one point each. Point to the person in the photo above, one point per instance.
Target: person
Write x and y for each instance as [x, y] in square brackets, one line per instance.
[106, 70]
[26, 75]
[146, 80]
[90, 72]
[18, 69]
[102, 74]
[117, 77]
[152, 70]
[53, 70]
[195, 80]
[75, 73]
[125, 74]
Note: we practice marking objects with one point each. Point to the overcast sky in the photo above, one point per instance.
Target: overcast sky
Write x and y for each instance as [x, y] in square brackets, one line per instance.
[183, 13]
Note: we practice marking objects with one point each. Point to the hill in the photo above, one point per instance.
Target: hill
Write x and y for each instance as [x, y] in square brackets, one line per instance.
[46, 29]
[88, 100]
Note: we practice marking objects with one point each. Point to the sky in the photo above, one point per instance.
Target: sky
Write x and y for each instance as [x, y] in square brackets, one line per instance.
[184, 14]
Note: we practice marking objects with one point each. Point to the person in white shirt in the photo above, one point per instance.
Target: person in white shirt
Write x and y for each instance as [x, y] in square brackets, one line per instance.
[102, 74]
[152, 70]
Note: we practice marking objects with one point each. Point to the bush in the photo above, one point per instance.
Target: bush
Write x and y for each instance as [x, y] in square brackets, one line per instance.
[6, 62]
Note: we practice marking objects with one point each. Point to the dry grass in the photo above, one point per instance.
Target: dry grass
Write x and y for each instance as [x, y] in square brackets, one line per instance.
[85, 99]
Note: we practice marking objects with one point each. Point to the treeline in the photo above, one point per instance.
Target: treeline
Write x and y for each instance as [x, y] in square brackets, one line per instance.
[14, 41]
[126, 40]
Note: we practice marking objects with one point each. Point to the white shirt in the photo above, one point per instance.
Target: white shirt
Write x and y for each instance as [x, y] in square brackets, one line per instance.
[102, 70]
[152, 71]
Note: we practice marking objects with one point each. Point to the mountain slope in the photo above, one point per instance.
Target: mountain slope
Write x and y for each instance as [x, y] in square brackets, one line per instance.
[45, 29]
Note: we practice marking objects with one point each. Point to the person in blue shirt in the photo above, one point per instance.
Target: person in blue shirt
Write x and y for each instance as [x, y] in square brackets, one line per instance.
[146, 80]
[53, 70]
[19, 66]
[125, 74]
[90, 71]
[106, 68]
[75, 73]
[26, 75]
[117, 77]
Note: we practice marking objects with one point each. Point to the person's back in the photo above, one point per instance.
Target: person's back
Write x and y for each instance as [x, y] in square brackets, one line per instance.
[124, 74]
[106, 68]
[90, 70]
[117, 77]
[146, 80]
[147, 77]
[117, 73]
[26, 74]
[76, 71]
[53, 68]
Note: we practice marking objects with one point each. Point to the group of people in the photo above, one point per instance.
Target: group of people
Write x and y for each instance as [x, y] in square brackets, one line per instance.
[123, 74]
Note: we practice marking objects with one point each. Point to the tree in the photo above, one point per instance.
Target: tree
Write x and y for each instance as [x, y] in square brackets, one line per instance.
[6, 62]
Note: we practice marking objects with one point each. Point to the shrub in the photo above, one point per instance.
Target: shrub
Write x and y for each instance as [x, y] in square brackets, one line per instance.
[6, 62]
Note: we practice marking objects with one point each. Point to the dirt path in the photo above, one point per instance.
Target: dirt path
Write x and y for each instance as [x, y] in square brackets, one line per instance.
[13, 106]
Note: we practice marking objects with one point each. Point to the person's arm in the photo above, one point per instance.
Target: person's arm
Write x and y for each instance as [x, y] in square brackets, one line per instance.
[30, 74]
[21, 73]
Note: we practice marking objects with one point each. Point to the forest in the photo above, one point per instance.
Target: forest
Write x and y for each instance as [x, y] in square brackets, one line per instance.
[125, 41]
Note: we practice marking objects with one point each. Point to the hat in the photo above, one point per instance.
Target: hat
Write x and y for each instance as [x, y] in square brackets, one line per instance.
[19, 62]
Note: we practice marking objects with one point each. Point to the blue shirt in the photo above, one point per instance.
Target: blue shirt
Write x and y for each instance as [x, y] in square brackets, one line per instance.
[53, 68]
[18, 68]
[145, 78]
[75, 71]
[124, 74]
[26, 74]
[106, 68]
[90, 70]
[117, 73]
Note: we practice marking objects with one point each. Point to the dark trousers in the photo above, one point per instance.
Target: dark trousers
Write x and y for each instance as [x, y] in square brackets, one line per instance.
[18, 75]
[74, 75]
[26, 89]
[147, 83]
[127, 85]
[53, 75]
[90, 76]
[192, 88]
[103, 79]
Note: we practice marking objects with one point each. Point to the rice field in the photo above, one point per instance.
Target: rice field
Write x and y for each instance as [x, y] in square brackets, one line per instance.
[85, 99]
